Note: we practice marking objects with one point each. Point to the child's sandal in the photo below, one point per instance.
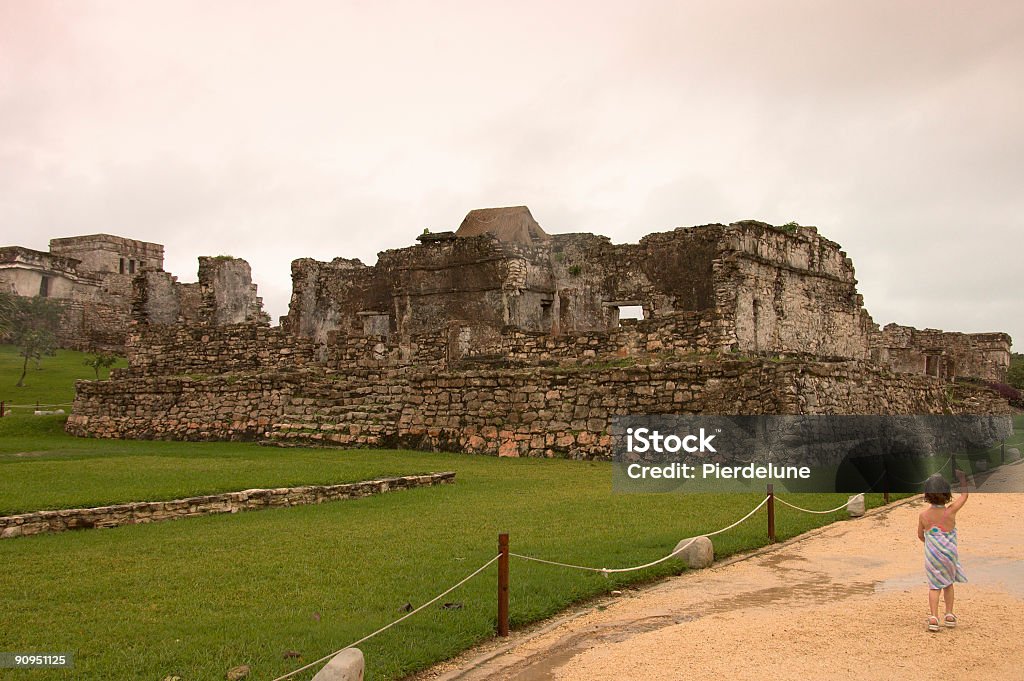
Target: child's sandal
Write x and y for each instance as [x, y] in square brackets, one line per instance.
[933, 623]
[950, 620]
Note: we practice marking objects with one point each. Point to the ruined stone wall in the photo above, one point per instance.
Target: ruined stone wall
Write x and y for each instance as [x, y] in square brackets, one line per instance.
[678, 333]
[140, 512]
[567, 412]
[223, 295]
[221, 407]
[941, 353]
[421, 288]
[208, 350]
[790, 290]
[475, 344]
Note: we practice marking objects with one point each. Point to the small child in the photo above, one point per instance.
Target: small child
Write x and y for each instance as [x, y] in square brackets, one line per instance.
[936, 527]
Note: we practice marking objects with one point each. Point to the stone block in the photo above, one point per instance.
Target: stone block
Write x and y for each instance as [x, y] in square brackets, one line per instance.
[855, 505]
[698, 553]
[348, 665]
[1012, 454]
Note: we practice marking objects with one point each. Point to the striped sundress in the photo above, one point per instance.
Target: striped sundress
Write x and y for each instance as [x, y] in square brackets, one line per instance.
[941, 562]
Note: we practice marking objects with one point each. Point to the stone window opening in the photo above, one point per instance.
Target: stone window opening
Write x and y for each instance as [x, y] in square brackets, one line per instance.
[44, 287]
[931, 365]
[631, 312]
[131, 267]
[619, 310]
[120, 265]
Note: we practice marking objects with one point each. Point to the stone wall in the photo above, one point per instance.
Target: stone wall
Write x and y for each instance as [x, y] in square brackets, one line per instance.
[222, 407]
[223, 295]
[515, 348]
[567, 411]
[93, 325]
[781, 290]
[941, 353]
[205, 350]
[790, 290]
[140, 512]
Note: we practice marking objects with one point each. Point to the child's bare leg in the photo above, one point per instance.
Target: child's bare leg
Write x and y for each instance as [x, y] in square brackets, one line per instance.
[933, 602]
[947, 595]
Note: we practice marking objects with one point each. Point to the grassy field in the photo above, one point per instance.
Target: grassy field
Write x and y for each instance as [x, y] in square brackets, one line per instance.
[52, 383]
[196, 597]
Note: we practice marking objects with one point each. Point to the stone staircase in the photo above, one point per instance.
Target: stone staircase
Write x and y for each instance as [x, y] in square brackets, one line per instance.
[342, 411]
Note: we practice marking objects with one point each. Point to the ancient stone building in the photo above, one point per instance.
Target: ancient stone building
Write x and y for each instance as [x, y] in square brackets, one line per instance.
[757, 288]
[500, 338]
[91, 276]
[940, 353]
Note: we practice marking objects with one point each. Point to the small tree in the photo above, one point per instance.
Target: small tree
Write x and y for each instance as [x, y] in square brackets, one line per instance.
[100, 360]
[1015, 375]
[33, 329]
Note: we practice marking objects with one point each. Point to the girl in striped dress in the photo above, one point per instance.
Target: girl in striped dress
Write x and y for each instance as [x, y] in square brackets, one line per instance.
[936, 527]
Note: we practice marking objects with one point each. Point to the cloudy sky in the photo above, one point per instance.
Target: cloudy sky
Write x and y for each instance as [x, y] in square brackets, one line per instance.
[278, 130]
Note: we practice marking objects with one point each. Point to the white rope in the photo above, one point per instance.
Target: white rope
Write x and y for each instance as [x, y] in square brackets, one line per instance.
[607, 571]
[388, 626]
[807, 510]
[921, 482]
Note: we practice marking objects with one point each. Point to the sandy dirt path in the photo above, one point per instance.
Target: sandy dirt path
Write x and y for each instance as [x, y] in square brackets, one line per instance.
[846, 601]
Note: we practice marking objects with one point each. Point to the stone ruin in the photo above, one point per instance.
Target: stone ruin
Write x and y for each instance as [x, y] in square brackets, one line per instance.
[90, 277]
[499, 338]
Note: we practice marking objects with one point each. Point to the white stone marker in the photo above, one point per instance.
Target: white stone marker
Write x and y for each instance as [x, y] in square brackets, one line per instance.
[347, 665]
[699, 554]
[855, 505]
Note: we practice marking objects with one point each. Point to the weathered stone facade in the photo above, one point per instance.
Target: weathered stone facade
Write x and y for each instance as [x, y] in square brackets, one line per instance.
[506, 340]
[944, 354]
[224, 294]
[91, 276]
[769, 289]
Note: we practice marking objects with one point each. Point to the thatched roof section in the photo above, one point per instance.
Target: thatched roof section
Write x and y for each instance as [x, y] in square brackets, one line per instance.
[514, 224]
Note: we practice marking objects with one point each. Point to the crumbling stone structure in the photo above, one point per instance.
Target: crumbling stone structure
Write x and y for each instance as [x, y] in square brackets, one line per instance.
[92, 278]
[223, 295]
[500, 338]
[944, 354]
[758, 288]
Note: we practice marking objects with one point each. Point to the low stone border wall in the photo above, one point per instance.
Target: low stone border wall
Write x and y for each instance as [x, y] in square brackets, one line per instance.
[229, 502]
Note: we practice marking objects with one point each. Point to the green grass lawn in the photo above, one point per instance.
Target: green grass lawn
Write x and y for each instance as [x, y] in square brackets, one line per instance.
[52, 383]
[195, 597]
[42, 468]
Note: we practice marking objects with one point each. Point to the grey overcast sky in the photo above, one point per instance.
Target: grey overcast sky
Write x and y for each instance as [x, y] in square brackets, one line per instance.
[277, 130]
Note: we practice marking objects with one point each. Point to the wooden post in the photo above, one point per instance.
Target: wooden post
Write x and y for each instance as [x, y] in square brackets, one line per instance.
[503, 584]
[771, 513]
[1, 409]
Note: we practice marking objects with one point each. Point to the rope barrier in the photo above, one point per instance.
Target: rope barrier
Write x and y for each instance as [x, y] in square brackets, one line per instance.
[409, 614]
[921, 482]
[807, 510]
[607, 571]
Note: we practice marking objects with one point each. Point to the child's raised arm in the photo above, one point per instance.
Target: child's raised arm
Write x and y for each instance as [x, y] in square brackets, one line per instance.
[962, 499]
